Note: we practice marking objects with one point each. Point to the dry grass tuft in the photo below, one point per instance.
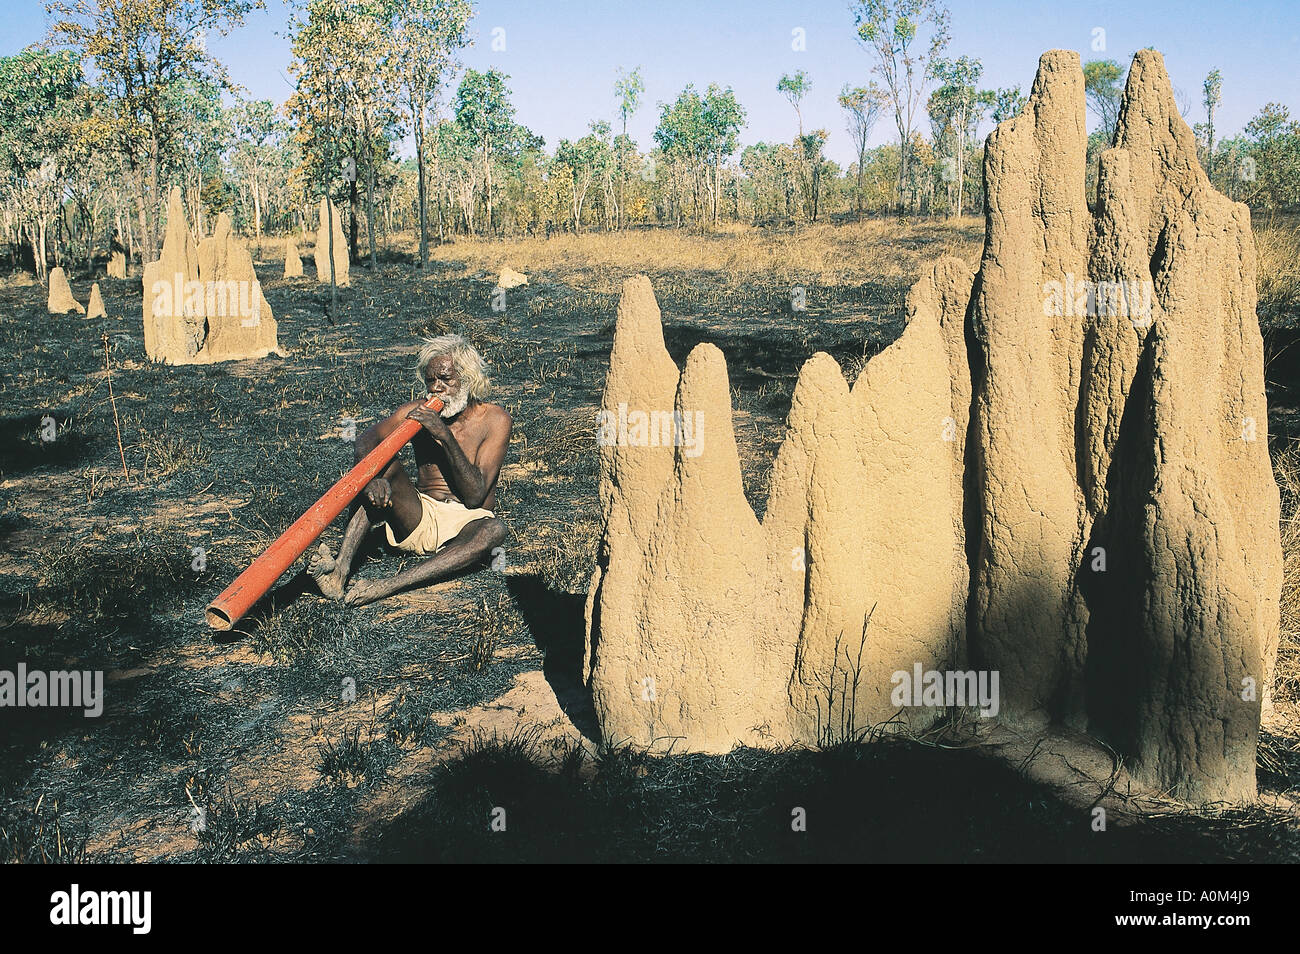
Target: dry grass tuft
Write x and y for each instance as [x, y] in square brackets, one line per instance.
[1277, 264]
[1286, 682]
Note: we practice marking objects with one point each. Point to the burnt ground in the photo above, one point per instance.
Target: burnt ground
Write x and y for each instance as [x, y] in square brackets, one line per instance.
[393, 732]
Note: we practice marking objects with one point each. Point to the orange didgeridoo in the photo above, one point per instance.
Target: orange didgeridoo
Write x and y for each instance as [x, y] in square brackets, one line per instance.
[249, 587]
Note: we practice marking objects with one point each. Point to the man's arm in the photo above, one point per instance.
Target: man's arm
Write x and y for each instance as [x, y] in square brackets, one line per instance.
[471, 480]
[492, 452]
[374, 435]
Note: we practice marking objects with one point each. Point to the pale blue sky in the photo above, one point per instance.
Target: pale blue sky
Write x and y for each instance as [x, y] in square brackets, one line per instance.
[562, 55]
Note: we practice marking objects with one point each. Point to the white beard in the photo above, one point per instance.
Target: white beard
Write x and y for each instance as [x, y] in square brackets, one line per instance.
[454, 405]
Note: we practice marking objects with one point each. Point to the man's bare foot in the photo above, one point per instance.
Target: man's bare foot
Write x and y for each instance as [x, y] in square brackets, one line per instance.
[360, 593]
[322, 569]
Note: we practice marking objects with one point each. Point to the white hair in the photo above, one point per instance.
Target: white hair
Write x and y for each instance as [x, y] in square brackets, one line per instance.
[469, 363]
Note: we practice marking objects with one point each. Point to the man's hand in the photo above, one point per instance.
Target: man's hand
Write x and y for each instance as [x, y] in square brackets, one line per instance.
[433, 422]
[379, 492]
[362, 592]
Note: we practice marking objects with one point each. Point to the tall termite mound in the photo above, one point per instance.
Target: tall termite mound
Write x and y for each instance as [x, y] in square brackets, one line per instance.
[330, 213]
[710, 626]
[202, 302]
[60, 300]
[1058, 474]
[1126, 558]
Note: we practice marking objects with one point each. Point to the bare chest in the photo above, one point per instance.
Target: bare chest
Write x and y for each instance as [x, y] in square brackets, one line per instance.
[436, 474]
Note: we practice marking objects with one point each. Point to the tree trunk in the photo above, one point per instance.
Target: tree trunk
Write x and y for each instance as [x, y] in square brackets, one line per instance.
[716, 186]
[903, 149]
[419, 165]
[442, 235]
[1209, 150]
[487, 183]
[370, 207]
[151, 237]
[961, 161]
[257, 215]
[89, 230]
[354, 227]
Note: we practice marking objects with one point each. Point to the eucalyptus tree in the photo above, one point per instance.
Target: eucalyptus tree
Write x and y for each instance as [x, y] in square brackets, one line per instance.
[628, 89]
[429, 33]
[862, 106]
[141, 49]
[905, 38]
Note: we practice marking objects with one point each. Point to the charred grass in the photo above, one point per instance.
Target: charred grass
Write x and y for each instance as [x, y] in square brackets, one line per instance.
[265, 745]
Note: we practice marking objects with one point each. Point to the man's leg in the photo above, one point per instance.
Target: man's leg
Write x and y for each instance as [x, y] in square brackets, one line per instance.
[473, 544]
[403, 513]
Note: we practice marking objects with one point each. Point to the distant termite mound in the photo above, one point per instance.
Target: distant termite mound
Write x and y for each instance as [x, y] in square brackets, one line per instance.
[510, 278]
[60, 300]
[202, 302]
[292, 261]
[328, 212]
[1051, 497]
[96, 307]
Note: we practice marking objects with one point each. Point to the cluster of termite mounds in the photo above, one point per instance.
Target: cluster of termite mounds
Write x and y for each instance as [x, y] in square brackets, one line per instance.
[60, 300]
[202, 300]
[1059, 473]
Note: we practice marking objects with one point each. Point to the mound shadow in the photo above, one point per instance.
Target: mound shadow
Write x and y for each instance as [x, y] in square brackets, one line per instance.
[503, 800]
[556, 622]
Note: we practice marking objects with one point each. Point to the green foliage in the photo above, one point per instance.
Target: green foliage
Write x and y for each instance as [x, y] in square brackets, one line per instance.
[628, 89]
[91, 157]
[37, 95]
[343, 108]
[1007, 103]
[1270, 171]
[888, 30]
[429, 33]
[586, 160]
[697, 134]
[1212, 92]
[1103, 88]
[795, 88]
[956, 109]
[145, 54]
[483, 109]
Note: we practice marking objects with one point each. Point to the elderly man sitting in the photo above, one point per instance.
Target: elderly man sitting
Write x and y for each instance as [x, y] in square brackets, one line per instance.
[446, 513]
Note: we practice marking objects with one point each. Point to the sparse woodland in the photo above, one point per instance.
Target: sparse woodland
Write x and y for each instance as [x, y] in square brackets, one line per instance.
[123, 100]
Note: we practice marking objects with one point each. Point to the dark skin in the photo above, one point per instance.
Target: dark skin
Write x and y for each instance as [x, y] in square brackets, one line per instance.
[457, 459]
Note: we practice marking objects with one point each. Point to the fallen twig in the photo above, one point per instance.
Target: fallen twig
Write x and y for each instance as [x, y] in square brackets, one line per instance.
[112, 400]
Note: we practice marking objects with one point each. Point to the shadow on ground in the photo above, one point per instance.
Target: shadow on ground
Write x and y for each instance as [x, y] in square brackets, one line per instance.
[892, 802]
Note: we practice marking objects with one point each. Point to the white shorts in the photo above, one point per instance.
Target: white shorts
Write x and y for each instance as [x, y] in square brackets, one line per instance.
[438, 527]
